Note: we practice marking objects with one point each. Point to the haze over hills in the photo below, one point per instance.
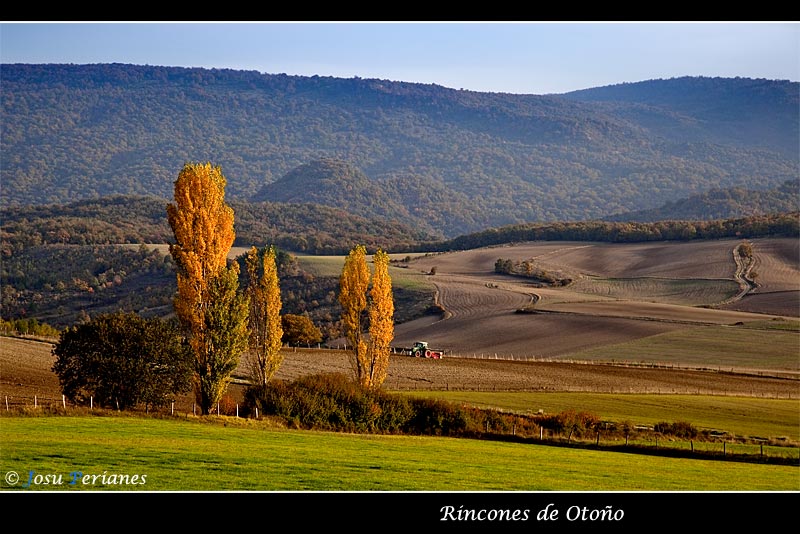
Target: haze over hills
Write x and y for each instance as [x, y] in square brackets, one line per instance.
[443, 161]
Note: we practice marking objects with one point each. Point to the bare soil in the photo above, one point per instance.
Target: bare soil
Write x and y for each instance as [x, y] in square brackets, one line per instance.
[482, 307]
[26, 371]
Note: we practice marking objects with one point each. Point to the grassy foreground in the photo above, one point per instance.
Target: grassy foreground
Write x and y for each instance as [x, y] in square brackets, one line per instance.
[227, 454]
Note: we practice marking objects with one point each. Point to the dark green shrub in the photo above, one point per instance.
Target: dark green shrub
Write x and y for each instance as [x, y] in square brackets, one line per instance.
[330, 402]
[679, 429]
[570, 422]
[436, 417]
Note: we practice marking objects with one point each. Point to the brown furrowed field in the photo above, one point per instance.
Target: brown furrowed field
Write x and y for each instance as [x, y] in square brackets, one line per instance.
[26, 373]
[622, 293]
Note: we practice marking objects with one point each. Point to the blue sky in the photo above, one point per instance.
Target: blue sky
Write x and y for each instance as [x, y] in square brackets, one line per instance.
[532, 58]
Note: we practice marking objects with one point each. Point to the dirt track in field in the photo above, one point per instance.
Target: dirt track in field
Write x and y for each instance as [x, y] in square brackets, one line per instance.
[777, 264]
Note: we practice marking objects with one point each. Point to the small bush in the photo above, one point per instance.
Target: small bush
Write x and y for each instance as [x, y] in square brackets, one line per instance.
[330, 402]
[679, 429]
[570, 422]
[334, 402]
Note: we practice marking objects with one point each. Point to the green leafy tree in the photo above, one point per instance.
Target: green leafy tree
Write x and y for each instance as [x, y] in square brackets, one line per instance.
[265, 325]
[122, 360]
[225, 322]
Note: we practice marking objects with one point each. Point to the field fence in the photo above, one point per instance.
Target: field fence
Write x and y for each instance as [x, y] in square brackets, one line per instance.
[644, 390]
[21, 402]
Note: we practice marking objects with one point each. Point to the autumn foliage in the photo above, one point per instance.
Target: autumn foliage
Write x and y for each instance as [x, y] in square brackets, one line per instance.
[371, 355]
[381, 322]
[208, 304]
[353, 284]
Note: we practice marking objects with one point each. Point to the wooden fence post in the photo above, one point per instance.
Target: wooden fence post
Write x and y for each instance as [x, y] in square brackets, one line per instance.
[6, 402]
[172, 408]
[64, 401]
[35, 402]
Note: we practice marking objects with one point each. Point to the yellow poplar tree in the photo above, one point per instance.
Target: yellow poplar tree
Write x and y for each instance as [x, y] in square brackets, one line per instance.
[371, 357]
[207, 302]
[353, 284]
[265, 325]
[381, 322]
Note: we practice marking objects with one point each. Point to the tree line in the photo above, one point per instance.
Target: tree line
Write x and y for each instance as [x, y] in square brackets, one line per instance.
[123, 360]
[774, 225]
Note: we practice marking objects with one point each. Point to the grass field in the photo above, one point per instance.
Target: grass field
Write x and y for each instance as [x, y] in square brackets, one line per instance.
[332, 266]
[189, 455]
[740, 416]
[712, 346]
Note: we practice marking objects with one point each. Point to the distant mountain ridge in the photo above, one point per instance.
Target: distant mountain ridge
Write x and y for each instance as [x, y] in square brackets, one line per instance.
[736, 202]
[440, 160]
[719, 110]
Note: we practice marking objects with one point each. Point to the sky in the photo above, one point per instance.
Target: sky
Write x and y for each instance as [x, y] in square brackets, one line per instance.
[510, 57]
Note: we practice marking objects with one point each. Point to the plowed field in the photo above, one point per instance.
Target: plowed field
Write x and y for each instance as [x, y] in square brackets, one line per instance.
[26, 373]
[621, 293]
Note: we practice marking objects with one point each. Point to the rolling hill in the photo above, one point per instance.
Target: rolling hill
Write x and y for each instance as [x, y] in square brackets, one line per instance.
[443, 160]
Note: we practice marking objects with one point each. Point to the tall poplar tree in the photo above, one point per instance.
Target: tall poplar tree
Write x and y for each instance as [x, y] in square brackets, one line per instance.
[376, 307]
[381, 322]
[266, 329]
[208, 303]
[353, 284]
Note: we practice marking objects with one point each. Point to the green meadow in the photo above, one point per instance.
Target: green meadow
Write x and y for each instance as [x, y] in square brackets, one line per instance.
[227, 454]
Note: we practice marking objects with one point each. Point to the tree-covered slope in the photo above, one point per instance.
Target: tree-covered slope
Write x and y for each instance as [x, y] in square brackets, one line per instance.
[120, 219]
[722, 203]
[740, 111]
[445, 160]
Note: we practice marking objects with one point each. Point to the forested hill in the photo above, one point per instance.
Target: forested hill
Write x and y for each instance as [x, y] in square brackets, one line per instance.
[302, 228]
[739, 111]
[721, 204]
[443, 160]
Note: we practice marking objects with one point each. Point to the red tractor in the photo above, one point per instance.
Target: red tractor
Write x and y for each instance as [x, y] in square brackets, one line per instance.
[421, 350]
